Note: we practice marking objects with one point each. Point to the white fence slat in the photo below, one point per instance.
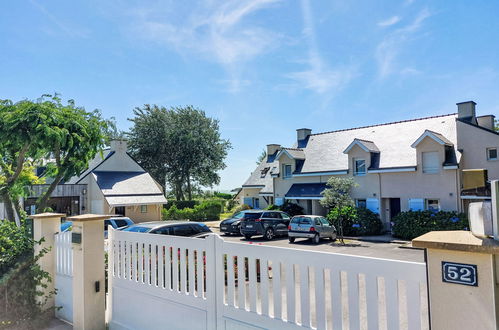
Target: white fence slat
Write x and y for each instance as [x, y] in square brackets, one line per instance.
[241, 282]
[353, 300]
[276, 284]
[168, 267]
[161, 266]
[183, 273]
[175, 270]
[147, 264]
[140, 257]
[154, 264]
[192, 271]
[413, 298]
[122, 260]
[392, 303]
[134, 261]
[336, 299]
[252, 283]
[230, 280]
[305, 295]
[320, 298]
[372, 301]
[200, 272]
[264, 286]
[290, 293]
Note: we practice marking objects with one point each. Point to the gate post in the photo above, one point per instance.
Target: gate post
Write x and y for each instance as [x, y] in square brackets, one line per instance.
[46, 225]
[88, 272]
[462, 280]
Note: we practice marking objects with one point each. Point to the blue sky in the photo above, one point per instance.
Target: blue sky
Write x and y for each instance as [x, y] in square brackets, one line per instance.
[263, 67]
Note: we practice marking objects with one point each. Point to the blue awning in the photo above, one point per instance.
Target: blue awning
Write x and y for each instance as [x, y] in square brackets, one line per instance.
[306, 190]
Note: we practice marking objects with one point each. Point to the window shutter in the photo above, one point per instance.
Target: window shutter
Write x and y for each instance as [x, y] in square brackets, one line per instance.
[431, 162]
[416, 204]
[248, 201]
[372, 204]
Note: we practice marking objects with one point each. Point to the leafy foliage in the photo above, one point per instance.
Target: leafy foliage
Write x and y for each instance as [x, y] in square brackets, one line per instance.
[338, 193]
[181, 204]
[356, 221]
[222, 195]
[180, 145]
[206, 211]
[242, 208]
[15, 242]
[411, 224]
[261, 157]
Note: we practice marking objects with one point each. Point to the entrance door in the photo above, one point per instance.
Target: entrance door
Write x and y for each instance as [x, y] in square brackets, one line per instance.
[394, 207]
[309, 206]
[119, 210]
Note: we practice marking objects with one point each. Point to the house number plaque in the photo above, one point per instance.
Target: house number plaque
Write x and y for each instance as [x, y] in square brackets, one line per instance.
[464, 274]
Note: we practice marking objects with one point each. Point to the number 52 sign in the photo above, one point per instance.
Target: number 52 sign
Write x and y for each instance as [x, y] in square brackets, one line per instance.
[459, 273]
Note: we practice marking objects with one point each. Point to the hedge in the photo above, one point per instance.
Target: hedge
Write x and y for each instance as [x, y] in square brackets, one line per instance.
[411, 224]
[180, 205]
[356, 221]
[206, 211]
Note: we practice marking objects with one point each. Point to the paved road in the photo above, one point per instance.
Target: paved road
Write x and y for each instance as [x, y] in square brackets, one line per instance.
[367, 249]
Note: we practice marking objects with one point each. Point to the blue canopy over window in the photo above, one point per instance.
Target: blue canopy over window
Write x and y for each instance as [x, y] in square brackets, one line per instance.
[306, 190]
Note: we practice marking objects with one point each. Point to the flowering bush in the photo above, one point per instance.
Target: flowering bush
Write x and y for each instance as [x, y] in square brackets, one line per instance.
[356, 221]
[411, 224]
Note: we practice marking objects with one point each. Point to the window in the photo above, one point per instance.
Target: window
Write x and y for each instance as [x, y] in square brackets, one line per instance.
[143, 209]
[324, 221]
[359, 167]
[120, 223]
[431, 164]
[416, 204]
[491, 153]
[286, 171]
[361, 203]
[433, 205]
[183, 230]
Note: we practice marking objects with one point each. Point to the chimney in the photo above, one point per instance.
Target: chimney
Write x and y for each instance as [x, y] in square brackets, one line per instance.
[302, 135]
[272, 149]
[466, 110]
[487, 121]
[118, 146]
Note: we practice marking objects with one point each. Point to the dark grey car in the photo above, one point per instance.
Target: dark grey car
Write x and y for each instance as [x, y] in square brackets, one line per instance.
[266, 223]
[312, 227]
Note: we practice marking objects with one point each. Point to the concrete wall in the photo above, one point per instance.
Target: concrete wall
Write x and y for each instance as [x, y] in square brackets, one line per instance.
[253, 193]
[474, 143]
[133, 212]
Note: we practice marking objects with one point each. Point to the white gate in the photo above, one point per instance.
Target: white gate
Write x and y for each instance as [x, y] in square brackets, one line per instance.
[64, 276]
[159, 282]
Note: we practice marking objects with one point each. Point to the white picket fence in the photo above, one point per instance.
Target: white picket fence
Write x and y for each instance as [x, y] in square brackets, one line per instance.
[64, 276]
[159, 282]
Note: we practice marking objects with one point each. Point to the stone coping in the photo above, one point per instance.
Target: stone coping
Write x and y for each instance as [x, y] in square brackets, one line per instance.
[90, 217]
[458, 240]
[47, 215]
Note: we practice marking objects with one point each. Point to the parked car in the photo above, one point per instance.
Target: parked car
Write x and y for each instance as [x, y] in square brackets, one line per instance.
[233, 224]
[266, 223]
[66, 226]
[118, 223]
[175, 228]
[312, 227]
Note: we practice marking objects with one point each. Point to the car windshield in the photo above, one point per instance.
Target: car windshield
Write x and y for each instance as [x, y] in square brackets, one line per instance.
[302, 220]
[252, 215]
[204, 228]
[138, 229]
[238, 215]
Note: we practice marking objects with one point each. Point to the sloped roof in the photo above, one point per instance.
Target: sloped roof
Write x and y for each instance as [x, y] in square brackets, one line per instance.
[439, 138]
[113, 183]
[368, 146]
[261, 177]
[294, 153]
[324, 151]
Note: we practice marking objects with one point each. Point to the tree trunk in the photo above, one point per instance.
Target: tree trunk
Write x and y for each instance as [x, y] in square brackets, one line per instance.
[41, 203]
[9, 209]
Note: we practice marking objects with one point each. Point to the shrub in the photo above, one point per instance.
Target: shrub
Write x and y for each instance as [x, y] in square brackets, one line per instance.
[272, 207]
[411, 224]
[206, 211]
[223, 195]
[180, 205]
[291, 209]
[231, 204]
[15, 242]
[356, 221]
[242, 208]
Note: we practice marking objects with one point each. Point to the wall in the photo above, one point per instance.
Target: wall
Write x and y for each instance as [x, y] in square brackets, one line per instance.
[133, 212]
[474, 143]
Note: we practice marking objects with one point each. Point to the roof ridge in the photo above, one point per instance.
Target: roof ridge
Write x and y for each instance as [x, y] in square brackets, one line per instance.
[363, 140]
[384, 124]
[298, 149]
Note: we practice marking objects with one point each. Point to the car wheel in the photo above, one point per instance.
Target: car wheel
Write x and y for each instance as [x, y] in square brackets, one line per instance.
[247, 236]
[291, 239]
[269, 234]
[316, 239]
[333, 237]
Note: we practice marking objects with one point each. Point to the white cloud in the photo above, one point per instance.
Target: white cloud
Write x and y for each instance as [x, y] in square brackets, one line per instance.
[70, 31]
[319, 77]
[389, 48]
[389, 21]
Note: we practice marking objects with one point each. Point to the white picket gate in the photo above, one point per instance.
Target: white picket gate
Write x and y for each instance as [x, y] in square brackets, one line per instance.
[64, 276]
[159, 282]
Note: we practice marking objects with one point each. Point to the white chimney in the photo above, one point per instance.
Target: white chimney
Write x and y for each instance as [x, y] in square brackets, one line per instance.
[301, 135]
[118, 146]
[487, 121]
[466, 110]
[272, 148]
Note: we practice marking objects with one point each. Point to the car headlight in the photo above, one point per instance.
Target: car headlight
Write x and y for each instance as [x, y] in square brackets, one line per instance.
[236, 223]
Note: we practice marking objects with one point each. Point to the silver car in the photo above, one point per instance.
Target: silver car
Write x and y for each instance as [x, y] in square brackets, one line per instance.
[312, 227]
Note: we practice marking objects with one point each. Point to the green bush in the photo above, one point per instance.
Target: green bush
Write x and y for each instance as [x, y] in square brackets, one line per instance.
[231, 204]
[411, 224]
[222, 195]
[15, 242]
[272, 207]
[242, 208]
[206, 211]
[356, 221]
[180, 205]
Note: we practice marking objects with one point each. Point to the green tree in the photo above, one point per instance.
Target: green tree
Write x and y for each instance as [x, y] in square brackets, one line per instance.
[180, 146]
[261, 157]
[64, 134]
[337, 199]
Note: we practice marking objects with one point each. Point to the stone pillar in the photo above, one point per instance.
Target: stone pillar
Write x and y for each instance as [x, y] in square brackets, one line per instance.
[46, 225]
[88, 272]
[462, 280]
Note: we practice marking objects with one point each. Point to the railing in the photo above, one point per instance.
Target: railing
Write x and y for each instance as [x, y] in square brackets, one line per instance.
[64, 254]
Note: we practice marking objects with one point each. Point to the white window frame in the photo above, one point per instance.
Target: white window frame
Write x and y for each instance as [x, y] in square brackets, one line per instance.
[431, 170]
[355, 171]
[427, 204]
[284, 174]
[488, 154]
[143, 209]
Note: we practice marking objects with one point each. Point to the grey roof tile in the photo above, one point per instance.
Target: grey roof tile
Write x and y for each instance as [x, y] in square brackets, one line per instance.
[126, 183]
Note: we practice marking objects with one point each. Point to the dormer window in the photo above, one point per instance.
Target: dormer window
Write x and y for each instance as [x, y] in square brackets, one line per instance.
[431, 163]
[491, 153]
[359, 167]
[286, 171]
